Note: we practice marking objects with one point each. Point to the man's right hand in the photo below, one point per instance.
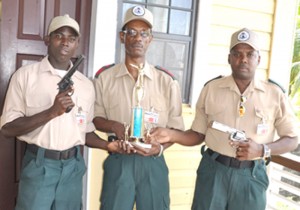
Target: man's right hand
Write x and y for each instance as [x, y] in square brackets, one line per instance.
[62, 101]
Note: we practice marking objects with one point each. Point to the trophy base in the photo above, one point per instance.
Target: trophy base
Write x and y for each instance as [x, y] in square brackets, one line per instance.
[141, 145]
[138, 143]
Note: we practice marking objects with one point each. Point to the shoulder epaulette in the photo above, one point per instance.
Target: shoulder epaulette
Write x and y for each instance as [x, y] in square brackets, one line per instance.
[272, 81]
[218, 77]
[166, 71]
[103, 69]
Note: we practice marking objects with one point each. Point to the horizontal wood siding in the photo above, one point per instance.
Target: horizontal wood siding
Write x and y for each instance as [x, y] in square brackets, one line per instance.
[183, 162]
[231, 15]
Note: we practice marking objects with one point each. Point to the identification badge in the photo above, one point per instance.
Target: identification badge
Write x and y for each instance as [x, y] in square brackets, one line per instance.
[80, 117]
[151, 117]
[262, 129]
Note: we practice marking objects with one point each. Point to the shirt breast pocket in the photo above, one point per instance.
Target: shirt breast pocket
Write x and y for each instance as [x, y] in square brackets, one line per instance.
[37, 103]
[264, 115]
[215, 111]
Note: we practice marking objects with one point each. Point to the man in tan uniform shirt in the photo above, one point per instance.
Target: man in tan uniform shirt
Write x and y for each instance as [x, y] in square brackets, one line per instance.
[140, 178]
[34, 112]
[232, 174]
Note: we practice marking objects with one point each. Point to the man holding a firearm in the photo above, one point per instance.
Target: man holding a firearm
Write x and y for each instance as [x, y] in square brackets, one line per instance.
[53, 115]
[237, 117]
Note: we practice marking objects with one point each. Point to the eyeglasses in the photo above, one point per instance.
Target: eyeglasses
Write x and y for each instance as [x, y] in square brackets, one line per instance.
[242, 108]
[133, 33]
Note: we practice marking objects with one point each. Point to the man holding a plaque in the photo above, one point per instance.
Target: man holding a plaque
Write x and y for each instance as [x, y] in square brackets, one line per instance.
[131, 98]
[237, 116]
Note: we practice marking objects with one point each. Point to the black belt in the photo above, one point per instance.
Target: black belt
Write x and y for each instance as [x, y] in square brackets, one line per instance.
[53, 154]
[230, 161]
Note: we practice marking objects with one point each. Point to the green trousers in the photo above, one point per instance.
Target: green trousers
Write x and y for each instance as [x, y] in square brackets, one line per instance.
[219, 187]
[47, 184]
[130, 179]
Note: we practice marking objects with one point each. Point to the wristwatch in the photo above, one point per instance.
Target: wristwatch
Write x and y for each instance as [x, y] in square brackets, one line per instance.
[267, 154]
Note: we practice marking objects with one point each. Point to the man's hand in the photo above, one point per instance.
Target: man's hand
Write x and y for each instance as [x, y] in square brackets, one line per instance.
[153, 151]
[62, 101]
[161, 135]
[119, 130]
[247, 150]
[121, 147]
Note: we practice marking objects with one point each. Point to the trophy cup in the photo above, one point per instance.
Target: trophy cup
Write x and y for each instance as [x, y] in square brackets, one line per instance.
[137, 119]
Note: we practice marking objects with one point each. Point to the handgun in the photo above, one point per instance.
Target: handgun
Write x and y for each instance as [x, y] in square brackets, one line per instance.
[234, 134]
[66, 81]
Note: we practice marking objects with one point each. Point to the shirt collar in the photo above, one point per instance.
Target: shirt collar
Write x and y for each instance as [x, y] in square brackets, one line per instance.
[230, 83]
[147, 71]
[47, 67]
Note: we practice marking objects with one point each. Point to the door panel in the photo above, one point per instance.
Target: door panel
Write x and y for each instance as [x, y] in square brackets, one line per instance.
[23, 26]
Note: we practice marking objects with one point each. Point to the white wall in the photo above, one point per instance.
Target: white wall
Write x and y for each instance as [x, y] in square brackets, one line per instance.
[283, 41]
[102, 52]
[200, 73]
[103, 33]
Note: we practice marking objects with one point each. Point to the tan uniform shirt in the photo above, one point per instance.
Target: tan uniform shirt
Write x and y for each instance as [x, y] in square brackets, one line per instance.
[33, 89]
[114, 101]
[267, 107]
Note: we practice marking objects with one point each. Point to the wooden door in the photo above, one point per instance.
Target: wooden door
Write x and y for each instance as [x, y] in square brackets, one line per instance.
[23, 26]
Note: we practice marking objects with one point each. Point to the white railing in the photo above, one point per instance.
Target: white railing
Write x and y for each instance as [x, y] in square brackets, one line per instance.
[284, 188]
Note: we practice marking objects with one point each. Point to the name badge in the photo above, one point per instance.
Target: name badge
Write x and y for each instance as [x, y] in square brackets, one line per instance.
[262, 129]
[80, 117]
[151, 117]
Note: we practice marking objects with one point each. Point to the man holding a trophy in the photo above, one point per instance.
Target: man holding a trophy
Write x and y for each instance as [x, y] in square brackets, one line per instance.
[131, 98]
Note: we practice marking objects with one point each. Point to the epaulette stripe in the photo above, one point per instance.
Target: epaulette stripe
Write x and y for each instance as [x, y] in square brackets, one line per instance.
[166, 71]
[218, 77]
[275, 83]
[103, 69]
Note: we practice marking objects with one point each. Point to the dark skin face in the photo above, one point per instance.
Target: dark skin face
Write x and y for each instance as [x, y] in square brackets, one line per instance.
[243, 60]
[135, 46]
[62, 45]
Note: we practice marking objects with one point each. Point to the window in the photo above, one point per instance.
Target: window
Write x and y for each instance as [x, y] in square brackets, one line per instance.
[173, 31]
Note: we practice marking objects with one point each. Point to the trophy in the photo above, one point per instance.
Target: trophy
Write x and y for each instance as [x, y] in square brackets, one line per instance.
[137, 119]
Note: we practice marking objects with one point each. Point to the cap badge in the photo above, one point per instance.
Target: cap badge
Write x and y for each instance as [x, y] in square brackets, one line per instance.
[138, 11]
[243, 36]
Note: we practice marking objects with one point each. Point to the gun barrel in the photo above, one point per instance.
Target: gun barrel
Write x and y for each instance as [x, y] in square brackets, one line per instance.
[77, 62]
[66, 81]
[235, 135]
[221, 127]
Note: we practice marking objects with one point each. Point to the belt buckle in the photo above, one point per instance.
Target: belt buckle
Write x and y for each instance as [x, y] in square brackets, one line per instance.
[64, 155]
